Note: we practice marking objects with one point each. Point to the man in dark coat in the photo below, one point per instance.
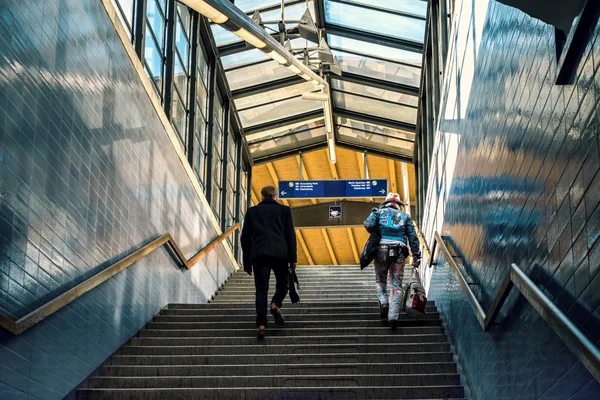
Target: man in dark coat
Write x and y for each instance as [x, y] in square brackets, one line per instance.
[269, 243]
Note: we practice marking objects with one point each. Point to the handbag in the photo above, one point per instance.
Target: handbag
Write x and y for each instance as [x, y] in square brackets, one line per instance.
[415, 299]
[294, 286]
[370, 250]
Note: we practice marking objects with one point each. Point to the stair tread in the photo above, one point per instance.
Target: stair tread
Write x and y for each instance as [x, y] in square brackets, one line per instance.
[333, 345]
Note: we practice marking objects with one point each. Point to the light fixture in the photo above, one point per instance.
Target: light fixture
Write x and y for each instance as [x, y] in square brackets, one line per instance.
[295, 69]
[331, 146]
[277, 57]
[328, 116]
[250, 38]
[206, 10]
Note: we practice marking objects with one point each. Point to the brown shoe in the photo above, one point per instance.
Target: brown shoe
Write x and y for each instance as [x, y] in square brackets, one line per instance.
[277, 315]
[261, 332]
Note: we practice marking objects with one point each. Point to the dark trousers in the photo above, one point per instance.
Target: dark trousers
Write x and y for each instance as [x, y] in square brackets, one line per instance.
[262, 273]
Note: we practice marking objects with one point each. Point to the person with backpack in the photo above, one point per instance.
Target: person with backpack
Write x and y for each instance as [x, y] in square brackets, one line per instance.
[397, 235]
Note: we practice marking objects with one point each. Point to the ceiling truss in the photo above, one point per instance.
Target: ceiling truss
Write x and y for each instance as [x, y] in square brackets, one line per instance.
[370, 81]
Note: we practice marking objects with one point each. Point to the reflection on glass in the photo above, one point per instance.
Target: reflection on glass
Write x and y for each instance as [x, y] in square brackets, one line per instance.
[375, 50]
[383, 70]
[251, 5]
[415, 7]
[375, 93]
[287, 129]
[374, 21]
[374, 141]
[377, 108]
[279, 110]
[256, 74]
[273, 95]
[245, 57]
[377, 129]
[288, 142]
[294, 12]
[153, 58]
[125, 13]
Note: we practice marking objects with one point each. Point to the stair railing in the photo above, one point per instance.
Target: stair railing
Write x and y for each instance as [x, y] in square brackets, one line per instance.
[587, 353]
[44, 311]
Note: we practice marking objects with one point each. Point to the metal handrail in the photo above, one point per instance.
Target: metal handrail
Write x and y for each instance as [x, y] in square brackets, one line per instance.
[587, 353]
[44, 311]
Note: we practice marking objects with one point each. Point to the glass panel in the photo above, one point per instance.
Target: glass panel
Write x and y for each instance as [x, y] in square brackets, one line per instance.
[154, 60]
[378, 129]
[179, 118]
[383, 70]
[273, 95]
[245, 57]
[251, 5]
[155, 19]
[294, 12]
[215, 200]
[279, 110]
[125, 13]
[182, 33]
[288, 142]
[373, 140]
[180, 79]
[256, 74]
[375, 93]
[375, 50]
[287, 129]
[374, 21]
[200, 150]
[374, 107]
[407, 6]
[201, 99]
[202, 65]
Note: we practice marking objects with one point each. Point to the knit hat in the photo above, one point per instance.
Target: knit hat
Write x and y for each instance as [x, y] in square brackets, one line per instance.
[392, 200]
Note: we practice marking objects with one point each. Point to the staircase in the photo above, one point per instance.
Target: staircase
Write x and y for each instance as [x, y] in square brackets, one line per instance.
[333, 346]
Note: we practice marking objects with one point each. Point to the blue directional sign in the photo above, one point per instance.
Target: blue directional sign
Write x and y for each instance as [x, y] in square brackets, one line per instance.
[333, 189]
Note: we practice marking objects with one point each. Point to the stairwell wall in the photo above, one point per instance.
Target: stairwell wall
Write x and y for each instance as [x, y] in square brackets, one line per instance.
[88, 174]
[514, 179]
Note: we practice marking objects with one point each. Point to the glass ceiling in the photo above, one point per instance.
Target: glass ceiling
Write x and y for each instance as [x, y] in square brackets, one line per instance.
[378, 44]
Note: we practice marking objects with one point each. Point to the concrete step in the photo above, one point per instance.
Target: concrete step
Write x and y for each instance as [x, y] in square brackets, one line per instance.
[301, 305]
[312, 298]
[285, 358]
[304, 291]
[331, 392]
[290, 317]
[243, 311]
[284, 369]
[286, 340]
[274, 381]
[218, 326]
[263, 348]
[250, 332]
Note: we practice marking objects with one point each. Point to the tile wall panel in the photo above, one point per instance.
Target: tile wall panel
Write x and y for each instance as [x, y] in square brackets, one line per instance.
[87, 175]
[515, 179]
